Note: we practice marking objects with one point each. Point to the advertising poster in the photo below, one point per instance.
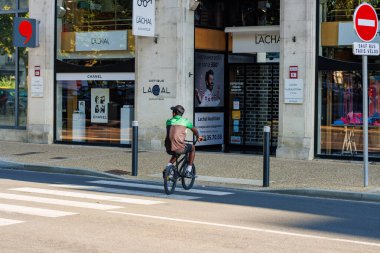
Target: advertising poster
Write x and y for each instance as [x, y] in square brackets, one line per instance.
[209, 80]
[99, 105]
[211, 127]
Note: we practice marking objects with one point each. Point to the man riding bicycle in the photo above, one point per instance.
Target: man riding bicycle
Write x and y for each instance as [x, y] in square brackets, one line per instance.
[175, 137]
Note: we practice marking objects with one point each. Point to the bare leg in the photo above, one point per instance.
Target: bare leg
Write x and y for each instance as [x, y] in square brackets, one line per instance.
[173, 159]
[192, 156]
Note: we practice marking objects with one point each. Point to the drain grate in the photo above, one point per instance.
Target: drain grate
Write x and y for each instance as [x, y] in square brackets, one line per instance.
[119, 172]
[59, 158]
[29, 153]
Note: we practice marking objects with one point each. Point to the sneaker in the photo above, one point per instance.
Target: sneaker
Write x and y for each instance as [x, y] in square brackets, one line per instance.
[189, 174]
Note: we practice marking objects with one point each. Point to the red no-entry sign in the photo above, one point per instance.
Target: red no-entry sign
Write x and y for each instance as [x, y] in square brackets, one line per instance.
[366, 22]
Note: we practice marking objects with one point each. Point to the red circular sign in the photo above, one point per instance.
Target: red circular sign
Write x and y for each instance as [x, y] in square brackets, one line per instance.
[366, 22]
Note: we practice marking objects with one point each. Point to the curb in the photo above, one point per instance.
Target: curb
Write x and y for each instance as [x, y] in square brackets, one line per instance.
[54, 169]
[357, 196]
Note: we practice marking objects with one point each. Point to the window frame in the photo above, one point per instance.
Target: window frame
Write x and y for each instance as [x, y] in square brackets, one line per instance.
[17, 12]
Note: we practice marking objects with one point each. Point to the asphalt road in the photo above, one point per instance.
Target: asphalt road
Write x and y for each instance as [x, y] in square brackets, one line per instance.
[42, 212]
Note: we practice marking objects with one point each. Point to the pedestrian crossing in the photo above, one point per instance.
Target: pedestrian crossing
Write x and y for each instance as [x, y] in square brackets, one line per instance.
[99, 195]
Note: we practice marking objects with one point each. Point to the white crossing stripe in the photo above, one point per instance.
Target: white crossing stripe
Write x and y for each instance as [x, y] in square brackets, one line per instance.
[60, 202]
[87, 196]
[133, 192]
[366, 22]
[158, 187]
[33, 211]
[6, 222]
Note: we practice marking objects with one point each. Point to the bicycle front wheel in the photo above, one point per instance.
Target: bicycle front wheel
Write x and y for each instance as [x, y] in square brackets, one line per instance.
[188, 180]
[170, 180]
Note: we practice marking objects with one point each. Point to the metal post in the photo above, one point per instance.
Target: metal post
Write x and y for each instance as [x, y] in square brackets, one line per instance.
[266, 151]
[365, 119]
[135, 148]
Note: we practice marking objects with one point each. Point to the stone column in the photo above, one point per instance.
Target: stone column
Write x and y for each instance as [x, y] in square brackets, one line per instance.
[40, 124]
[163, 65]
[298, 45]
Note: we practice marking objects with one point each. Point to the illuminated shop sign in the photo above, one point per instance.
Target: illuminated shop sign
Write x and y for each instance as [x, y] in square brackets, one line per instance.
[255, 39]
[101, 41]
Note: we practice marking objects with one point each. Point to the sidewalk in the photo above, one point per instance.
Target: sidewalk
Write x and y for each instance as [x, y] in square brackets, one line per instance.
[218, 169]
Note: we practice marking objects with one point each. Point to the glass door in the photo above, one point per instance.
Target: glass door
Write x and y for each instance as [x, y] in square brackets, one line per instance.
[254, 103]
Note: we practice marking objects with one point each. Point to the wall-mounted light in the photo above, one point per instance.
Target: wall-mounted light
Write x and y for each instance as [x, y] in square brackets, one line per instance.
[294, 39]
[193, 4]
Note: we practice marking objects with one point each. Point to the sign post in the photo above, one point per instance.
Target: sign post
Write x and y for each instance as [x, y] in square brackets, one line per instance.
[366, 25]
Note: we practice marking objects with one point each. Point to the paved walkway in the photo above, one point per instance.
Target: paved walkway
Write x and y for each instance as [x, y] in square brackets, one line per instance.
[236, 170]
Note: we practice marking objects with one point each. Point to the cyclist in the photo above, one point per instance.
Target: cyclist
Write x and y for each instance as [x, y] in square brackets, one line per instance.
[175, 137]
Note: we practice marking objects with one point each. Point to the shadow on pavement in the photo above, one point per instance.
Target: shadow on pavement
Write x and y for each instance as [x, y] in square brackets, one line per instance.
[359, 219]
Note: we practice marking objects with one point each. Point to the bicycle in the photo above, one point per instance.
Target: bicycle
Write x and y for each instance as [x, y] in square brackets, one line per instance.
[177, 172]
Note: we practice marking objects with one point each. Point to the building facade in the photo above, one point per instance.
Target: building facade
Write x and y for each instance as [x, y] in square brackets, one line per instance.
[235, 66]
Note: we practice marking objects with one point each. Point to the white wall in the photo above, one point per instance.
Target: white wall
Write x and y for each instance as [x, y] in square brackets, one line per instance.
[41, 110]
[170, 59]
[296, 123]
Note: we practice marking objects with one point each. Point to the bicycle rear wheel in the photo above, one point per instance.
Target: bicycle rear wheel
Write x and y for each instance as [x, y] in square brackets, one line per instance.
[170, 180]
[187, 182]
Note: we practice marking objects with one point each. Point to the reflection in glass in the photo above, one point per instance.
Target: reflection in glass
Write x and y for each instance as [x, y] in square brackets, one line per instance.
[341, 116]
[95, 111]
[23, 88]
[7, 72]
[7, 5]
[96, 33]
[23, 4]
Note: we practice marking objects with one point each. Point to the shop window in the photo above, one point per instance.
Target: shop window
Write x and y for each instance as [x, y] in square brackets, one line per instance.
[13, 91]
[94, 33]
[7, 5]
[95, 111]
[341, 117]
[210, 14]
[336, 29]
[254, 13]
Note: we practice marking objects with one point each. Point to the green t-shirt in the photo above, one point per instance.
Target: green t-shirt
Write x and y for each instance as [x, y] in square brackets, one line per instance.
[178, 120]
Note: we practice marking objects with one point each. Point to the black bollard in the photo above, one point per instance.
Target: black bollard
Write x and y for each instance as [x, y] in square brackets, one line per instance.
[135, 147]
[266, 153]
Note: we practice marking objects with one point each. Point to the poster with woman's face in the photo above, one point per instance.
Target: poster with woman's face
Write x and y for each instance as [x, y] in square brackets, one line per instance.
[209, 80]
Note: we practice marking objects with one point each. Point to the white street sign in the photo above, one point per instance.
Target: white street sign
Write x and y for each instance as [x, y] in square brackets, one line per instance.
[362, 48]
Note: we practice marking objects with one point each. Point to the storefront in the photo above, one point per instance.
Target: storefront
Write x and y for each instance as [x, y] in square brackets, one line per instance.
[13, 69]
[339, 86]
[237, 72]
[95, 72]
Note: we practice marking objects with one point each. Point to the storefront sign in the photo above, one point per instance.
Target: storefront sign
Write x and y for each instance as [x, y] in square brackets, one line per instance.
[101, 41]
[293, 91]
[96, 76]
[209, 80]
[256, 42]
[37, 87]
[293, 72]
[99, 105]
[211, 127]
[25, 32]
[157, 89]
[361, 48]
[37, 70]
[144, 18]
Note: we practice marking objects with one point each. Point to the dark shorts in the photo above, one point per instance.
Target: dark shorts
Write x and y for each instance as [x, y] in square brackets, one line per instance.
[187, 149]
